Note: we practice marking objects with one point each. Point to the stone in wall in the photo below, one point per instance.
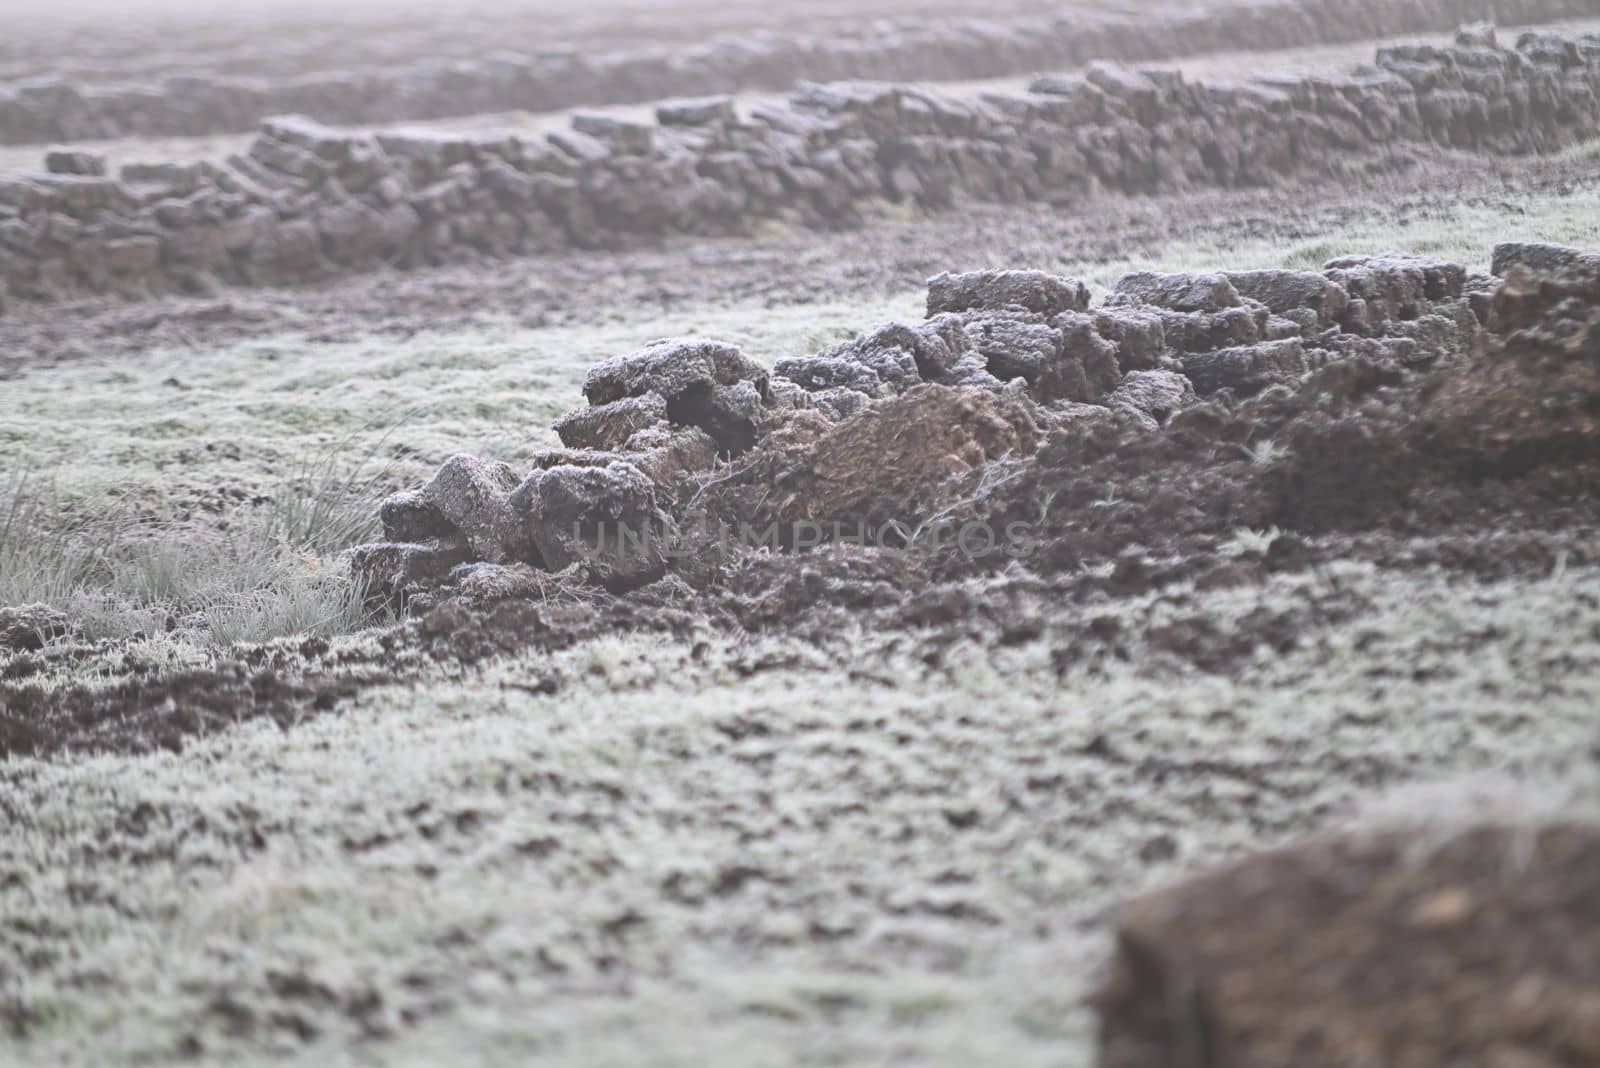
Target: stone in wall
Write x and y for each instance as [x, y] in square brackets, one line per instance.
[309, 202]
[1537, 256]
[701, 383]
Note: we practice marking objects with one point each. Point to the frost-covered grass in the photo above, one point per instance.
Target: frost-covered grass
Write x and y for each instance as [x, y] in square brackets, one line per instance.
[260, 570]
[737, 852]
[716, 851]
[164, 452]
[183, 425]
[1465, 232]
[211, 492]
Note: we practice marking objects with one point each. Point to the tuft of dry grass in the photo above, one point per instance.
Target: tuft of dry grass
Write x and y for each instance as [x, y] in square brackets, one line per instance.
[268, 571]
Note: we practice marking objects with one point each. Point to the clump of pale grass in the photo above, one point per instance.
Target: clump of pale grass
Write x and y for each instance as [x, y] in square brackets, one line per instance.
[272, 573]
[46, 554]
[327, 504]
[311, 604]
[1250, 541]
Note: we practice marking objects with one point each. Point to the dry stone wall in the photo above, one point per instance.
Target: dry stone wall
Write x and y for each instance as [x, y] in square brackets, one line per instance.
[1001, 358]
[41, 110]
[308, 202]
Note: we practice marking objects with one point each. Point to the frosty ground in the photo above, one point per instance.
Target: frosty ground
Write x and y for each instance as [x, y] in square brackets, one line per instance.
[691, 845]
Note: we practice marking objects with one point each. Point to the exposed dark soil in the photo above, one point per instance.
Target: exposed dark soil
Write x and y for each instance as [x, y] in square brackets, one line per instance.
[145, 714]
[821, 598]
[149, 710]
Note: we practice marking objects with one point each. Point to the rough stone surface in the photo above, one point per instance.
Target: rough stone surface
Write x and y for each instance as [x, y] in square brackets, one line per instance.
[1286, 292]
[357, 83]
[1015, 346]
[1537, 257]
[1473, 944]
[410, 516]
[1140, 337]
[1245, 370]
[705, 111]
[472, 495]
[604, 516]
[879, 363]
[308, 201]
[485, 584]
[74, 161]
[1033, 291]
[705, 384]
[1392, 287]
[1201, 331]
[609, 426]
[398, 569]
[668, 368]
[874, 429]
[666, 453]
[1151, 397]
[880, 464]
[1534, 390]
[1179, 292]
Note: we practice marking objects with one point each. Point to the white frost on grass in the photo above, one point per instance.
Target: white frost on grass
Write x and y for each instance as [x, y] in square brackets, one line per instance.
[1465, 233]
[185, 422]
[740, 852]
[223, 484]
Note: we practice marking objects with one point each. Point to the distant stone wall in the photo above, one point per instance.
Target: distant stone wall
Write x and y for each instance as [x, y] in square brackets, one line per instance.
[53, 110]
[306, 202]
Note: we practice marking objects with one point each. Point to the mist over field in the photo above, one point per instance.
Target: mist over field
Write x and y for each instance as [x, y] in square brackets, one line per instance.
[439, 621]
